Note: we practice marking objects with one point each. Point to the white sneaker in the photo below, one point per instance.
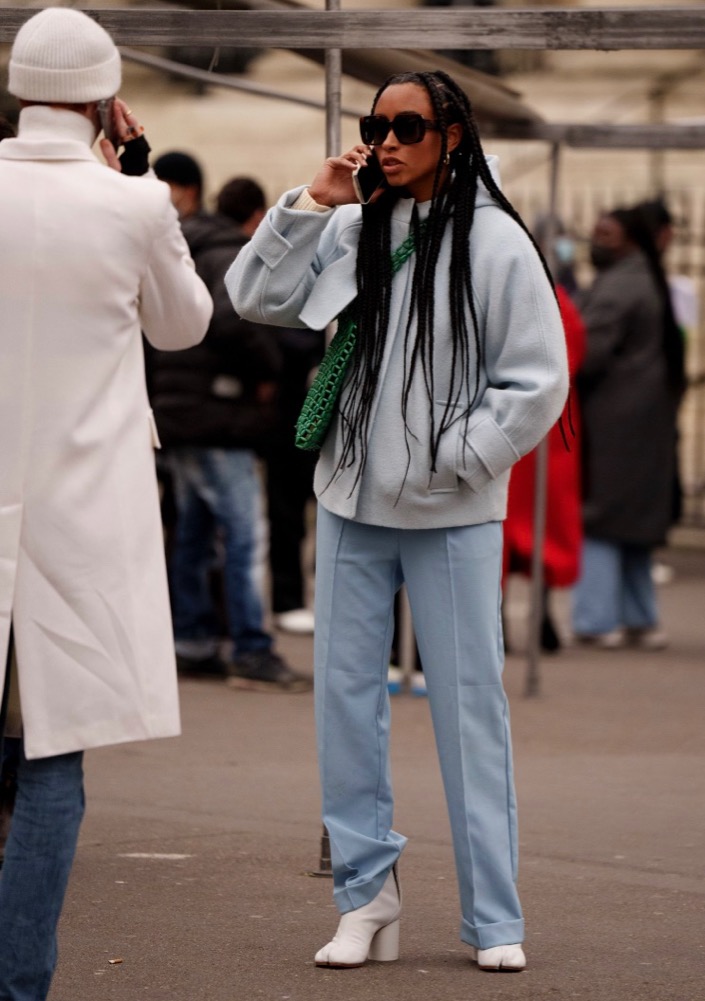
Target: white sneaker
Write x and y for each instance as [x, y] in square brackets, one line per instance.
[418, 683]
[613, 640]
[298, 620]
[394, 679]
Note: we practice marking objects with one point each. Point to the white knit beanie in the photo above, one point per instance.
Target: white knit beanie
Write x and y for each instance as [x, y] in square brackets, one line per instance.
[63, 56]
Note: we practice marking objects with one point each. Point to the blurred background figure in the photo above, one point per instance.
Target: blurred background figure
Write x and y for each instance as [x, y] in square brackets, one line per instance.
[215, 405]
[659, 221]
[563, 529]
[558, 246]
[631, 384]
[289, 470]
[184, 176]
[686, 310]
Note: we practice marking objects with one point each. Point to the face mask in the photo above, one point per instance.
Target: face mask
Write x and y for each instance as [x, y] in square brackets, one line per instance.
[602, 257]
[564, 249]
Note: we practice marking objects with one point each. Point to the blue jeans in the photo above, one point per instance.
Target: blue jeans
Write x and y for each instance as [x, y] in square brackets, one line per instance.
[216, 489]
[453, 581]
[615, 589]
[38, 858]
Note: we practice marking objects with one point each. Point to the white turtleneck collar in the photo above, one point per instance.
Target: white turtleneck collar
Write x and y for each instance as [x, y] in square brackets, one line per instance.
[40, 122]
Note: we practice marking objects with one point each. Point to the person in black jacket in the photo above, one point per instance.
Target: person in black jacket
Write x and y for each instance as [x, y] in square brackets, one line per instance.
[214, 406]
[289, 470]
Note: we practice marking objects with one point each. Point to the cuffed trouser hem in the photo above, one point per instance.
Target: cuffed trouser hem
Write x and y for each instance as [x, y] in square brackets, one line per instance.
[350, 899]
[488, 936]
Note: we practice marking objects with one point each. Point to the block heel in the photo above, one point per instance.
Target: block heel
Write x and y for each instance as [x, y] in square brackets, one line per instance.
[369, 932]
[384, 947]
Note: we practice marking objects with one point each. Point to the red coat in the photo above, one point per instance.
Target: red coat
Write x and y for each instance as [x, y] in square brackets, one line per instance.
[563, 517]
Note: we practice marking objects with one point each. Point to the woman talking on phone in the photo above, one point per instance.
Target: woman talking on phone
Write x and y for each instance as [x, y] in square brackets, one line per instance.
[457, 368]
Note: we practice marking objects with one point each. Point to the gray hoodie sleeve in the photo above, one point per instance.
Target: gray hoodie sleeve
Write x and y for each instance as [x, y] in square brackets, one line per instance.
[272, 277]
[525, 359]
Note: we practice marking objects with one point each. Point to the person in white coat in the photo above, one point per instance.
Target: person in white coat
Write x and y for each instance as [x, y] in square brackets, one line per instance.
[89, 258]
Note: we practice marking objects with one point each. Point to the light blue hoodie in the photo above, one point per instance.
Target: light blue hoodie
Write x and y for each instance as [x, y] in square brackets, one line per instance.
[299, 270]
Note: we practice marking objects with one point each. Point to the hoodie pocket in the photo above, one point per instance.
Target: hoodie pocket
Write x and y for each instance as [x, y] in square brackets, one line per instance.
[445, 480]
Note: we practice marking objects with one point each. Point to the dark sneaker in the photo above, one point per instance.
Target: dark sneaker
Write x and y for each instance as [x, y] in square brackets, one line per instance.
[201, 667]
[264, 671]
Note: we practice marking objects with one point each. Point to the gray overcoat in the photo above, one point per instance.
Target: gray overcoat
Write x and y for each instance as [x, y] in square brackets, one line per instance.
[628, 410]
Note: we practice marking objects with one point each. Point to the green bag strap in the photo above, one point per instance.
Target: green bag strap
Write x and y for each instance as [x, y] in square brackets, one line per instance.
[319, 405]
[399, 257]
[407, 248]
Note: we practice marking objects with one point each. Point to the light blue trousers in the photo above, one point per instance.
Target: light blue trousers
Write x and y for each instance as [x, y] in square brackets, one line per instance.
[453, 582]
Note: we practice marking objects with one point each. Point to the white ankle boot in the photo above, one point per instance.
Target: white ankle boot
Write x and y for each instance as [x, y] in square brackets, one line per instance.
[368, 932]
[500, 959]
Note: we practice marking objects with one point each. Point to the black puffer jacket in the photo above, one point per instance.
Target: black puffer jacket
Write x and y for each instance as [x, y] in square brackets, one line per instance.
[211, 395]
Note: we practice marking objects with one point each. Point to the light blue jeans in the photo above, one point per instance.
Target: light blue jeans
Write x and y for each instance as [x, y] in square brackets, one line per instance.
[453, 581]
[38, 858]
[615, 589]
[216, 487]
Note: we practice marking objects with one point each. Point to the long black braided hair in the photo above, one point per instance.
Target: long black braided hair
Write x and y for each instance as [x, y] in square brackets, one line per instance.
[452, 202]
[639, 228]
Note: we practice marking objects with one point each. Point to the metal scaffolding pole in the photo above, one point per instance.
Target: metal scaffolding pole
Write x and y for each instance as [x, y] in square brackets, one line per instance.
[334, 72]
[533, 680]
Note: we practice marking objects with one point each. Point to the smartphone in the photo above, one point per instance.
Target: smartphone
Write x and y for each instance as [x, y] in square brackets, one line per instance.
[106, 112]
[366, 180]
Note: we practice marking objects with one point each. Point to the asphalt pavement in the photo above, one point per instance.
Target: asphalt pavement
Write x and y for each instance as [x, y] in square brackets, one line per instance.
[193, 878]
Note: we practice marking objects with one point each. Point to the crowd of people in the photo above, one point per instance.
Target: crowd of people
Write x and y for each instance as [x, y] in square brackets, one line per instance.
[135, 320]
[615, 492]
[219, 408]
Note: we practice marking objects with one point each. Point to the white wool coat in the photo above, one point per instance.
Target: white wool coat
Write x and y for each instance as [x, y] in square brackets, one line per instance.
[89, 258]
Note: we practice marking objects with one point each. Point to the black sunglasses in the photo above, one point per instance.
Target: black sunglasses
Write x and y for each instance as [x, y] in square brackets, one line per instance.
[409, 127]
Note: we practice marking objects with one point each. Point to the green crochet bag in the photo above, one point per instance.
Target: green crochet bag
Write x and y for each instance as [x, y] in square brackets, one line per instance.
[322, 397]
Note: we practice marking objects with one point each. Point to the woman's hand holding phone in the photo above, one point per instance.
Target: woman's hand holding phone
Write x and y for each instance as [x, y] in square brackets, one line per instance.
[334, 184]
[368, 180]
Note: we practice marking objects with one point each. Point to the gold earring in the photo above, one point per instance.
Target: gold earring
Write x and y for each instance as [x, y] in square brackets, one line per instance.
[446, 158]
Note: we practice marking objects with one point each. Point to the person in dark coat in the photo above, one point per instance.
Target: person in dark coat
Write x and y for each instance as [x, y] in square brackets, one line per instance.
[630, 387]
[214, 407]
[289, 470]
